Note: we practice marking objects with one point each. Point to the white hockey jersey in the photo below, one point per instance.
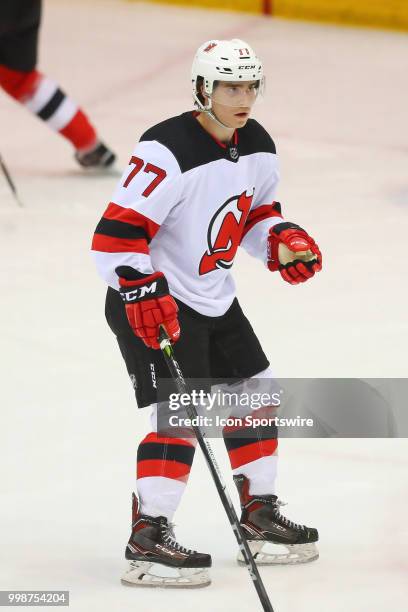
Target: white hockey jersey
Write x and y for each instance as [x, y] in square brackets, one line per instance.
[185, 204]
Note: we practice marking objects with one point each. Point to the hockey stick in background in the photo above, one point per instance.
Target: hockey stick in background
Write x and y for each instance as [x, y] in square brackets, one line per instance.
[177, 375]
[10, 181]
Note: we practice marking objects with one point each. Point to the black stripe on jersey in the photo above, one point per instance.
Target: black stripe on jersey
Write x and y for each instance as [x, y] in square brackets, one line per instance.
[192, 145]
[170, 452]
[119, 229]
[262, 433]
[52, 105]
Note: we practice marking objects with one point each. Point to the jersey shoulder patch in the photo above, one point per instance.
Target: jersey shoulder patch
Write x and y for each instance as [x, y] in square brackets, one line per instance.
[253, 138]
[174, 134]
[164, 132]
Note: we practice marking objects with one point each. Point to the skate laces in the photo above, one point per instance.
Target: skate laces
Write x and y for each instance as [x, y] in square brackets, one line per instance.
[169, 538]
[277, 505]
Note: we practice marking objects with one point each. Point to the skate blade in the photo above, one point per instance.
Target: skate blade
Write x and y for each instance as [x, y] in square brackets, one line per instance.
[147, 574]
[268, 553]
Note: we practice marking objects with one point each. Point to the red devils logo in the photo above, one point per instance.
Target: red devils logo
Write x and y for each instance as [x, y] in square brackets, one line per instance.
[224, 233]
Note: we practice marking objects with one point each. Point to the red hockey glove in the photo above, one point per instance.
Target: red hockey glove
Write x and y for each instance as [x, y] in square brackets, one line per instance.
[149, 305]
[293, 252]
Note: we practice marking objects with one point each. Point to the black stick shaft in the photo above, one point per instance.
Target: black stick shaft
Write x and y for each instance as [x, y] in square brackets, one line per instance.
[10, 181]
[181, 385]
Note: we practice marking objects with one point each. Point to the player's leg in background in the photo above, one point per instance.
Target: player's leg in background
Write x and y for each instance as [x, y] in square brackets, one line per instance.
[39, 94]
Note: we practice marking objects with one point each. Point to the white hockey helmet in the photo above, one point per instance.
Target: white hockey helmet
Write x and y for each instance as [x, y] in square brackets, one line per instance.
[224, 60]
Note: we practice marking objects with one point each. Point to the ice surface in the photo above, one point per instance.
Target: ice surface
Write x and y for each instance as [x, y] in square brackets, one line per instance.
[336, 107]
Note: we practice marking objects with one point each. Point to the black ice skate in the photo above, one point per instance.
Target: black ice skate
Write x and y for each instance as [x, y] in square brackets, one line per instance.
[156, 559]
[265, 527]
[98, 157]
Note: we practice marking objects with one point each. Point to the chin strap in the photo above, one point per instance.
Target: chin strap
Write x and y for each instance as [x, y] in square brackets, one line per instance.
[208, 111]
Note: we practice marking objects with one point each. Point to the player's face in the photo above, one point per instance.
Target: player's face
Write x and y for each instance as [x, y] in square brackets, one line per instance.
[232, 102]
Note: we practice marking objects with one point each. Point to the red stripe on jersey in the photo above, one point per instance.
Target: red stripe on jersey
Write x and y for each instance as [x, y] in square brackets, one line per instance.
[108, 244]
[260, 214]
[251, 452]
[128, 215]
[163, 468]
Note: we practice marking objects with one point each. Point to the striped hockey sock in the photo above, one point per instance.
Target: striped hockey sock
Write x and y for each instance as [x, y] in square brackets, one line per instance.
[43, 97]
[163, 468]
[253, 452]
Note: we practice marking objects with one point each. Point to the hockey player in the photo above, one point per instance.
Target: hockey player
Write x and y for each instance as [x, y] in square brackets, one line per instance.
[19, 26]
[198, 186]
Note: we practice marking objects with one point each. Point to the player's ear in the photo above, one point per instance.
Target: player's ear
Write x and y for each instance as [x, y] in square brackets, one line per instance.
[203, 95]
[200, 90]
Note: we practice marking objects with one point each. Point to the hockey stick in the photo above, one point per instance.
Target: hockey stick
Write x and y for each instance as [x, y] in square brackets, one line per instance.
[10, 181]
[177, 375]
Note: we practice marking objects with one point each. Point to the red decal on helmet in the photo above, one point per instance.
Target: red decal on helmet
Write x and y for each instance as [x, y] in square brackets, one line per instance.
[210, 47]
[224, 233]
